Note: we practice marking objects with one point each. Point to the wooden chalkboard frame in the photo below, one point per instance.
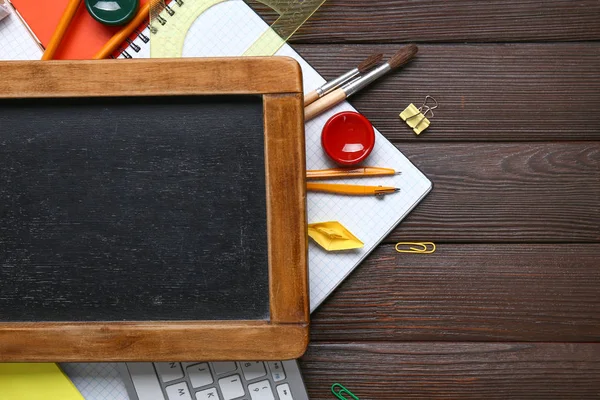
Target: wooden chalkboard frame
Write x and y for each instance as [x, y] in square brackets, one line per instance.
[285, 334]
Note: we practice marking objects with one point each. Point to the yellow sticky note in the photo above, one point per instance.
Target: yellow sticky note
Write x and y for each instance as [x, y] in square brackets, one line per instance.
[35, 381]
[415, 119]
[333, 236]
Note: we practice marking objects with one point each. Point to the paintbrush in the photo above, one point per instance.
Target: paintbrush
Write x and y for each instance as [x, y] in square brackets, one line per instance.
[337, 96]
[363, 67]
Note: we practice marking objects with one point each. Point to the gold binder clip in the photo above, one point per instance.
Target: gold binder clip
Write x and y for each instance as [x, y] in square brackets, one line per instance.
[416, 248]
[416, 118]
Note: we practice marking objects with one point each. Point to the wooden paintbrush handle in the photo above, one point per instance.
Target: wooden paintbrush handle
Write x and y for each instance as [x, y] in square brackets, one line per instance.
[324, 104]
[311, 98]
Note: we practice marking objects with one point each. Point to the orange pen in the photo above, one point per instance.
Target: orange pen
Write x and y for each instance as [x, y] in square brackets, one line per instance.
[351, 190]
[349, 172]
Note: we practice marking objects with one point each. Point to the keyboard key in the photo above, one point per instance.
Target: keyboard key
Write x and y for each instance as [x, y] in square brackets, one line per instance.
[261, 391]
[179, 391]
[224, 367]
[277, 371]
[253, 369]
[169, 371]
[208, 394]
[145, 381]
[284, 392]
[200, 375]
[231, 387]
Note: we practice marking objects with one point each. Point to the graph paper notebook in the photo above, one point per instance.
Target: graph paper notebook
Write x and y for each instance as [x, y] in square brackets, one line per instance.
[228, 29]
[16, 43]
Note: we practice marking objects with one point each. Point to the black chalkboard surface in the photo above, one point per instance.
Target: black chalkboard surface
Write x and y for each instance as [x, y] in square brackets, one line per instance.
[133, 209]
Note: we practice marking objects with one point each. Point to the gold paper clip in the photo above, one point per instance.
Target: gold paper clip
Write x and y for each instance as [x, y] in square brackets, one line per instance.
[340, 394]
[416, 248]
[416, 118]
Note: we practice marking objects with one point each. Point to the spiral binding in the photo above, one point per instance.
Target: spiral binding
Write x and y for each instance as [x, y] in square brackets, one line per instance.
[144, 32]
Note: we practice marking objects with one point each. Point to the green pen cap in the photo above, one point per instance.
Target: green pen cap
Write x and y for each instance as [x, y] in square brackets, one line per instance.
[112, 12]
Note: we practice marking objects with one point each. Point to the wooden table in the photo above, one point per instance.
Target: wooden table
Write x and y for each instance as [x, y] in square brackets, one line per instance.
[509, 305]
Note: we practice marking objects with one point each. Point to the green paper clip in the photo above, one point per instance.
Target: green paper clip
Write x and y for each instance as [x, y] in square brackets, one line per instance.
[341, 392]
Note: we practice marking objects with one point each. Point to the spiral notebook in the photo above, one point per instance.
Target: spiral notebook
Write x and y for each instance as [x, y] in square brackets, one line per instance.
[228, 29]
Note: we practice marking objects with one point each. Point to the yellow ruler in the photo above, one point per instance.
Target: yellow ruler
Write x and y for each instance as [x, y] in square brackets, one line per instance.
[171, 20]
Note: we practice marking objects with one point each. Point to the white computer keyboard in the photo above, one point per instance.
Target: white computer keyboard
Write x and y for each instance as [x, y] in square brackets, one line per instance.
[249, 380]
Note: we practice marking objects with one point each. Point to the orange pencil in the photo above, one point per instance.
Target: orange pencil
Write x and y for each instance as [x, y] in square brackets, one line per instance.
[62, 27]
[349, 172]
[351, 190]
[119, 37]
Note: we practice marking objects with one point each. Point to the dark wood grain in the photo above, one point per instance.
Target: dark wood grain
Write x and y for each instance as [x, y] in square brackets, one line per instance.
[388, 21]
[489, 292]
[519, 92]
[454, 370]
[506, 192]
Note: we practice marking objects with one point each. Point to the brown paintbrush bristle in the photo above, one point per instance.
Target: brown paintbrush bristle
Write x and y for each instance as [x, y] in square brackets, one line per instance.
[370, 63]
[403, 56]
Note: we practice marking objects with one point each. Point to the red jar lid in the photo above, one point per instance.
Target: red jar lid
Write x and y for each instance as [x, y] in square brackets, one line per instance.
[348, 138]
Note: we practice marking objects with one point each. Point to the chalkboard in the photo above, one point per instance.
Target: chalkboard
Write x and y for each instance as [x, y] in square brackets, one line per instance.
[153, 210]
[133, 209]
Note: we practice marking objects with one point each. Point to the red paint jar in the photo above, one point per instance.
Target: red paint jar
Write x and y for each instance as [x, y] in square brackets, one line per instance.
[348, 138]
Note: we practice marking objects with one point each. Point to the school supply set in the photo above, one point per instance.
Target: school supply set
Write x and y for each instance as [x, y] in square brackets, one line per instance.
[109, 13]
[399, 59]
[230, 28]
[348, 138]
[93, 26]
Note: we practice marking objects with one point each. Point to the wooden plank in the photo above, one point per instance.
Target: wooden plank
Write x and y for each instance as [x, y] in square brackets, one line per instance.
[285, 163]
[469, 293]
[54, 79]
[454, 370]
[344, 21]
[151, 341]
[506, 192]
[486, 92]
